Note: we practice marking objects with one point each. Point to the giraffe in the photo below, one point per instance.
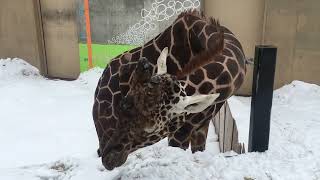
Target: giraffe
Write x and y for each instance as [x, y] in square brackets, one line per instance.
[172, 86]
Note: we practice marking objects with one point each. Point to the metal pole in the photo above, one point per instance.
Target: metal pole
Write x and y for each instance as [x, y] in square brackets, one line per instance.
[262, 92]
[88, 31]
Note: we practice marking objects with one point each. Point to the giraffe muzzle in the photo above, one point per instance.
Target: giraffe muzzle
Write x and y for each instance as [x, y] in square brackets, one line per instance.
[113, 160]
[114, 154]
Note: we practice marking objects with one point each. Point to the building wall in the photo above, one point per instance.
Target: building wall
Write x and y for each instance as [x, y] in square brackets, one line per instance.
[19, 29]
[292, 26]
[245, 19]
[61, 38]
[49, 40]
[44, 33]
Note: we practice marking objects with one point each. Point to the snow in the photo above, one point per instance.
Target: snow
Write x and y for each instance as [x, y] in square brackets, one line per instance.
[47, 133]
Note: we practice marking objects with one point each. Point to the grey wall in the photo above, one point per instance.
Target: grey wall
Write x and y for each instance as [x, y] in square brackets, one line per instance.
[19, 31]
[110, 18]
[249, 32]
[44, 33]
[61, 39]
[294, 27]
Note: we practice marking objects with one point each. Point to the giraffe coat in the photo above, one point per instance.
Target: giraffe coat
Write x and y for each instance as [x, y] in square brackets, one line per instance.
[187, 38]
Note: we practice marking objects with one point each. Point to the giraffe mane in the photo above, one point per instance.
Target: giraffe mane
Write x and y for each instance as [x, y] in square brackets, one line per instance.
[193, 12]
[205, 56]
[199, 14]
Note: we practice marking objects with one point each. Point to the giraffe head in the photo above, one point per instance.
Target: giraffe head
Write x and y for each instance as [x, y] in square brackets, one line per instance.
[153, 104]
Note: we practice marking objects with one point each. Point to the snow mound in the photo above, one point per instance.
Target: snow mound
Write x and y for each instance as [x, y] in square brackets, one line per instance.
[90, 78]
[47, 132]
[16, 68]
[297, 95]
[296, 91]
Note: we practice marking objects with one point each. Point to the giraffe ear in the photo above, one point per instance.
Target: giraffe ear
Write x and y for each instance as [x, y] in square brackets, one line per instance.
[162, 61]
[195, 104]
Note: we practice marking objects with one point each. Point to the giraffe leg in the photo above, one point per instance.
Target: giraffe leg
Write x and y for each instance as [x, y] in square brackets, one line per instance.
[181, 137]
[175, 143]
[199, 137]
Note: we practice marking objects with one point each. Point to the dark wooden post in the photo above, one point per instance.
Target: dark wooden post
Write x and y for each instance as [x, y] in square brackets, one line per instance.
[262, 92]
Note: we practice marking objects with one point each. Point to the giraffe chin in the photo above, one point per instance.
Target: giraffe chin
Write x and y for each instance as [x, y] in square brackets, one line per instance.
[113, 160]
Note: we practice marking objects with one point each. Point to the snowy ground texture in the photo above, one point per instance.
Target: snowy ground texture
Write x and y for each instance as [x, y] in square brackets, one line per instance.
[47, 133]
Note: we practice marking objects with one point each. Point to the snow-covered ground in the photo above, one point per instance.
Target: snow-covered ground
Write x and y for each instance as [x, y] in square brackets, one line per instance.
[47, 133]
